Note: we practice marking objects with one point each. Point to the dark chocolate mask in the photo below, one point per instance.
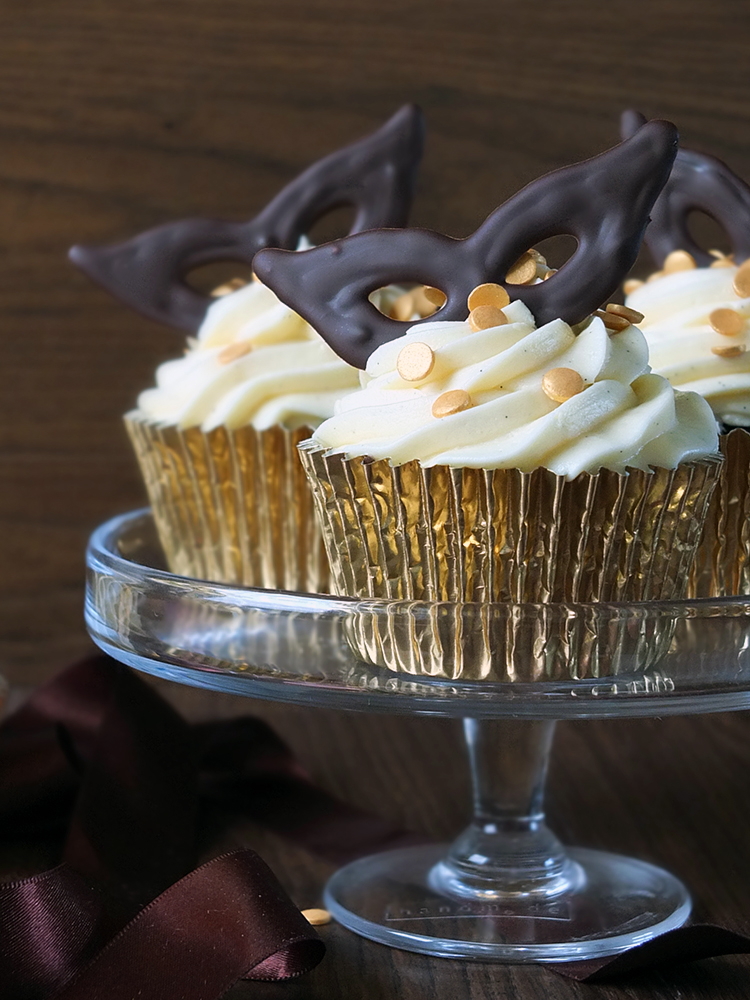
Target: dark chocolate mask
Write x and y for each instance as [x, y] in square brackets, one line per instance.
[698, 182]
[604, 203]
[376, 175]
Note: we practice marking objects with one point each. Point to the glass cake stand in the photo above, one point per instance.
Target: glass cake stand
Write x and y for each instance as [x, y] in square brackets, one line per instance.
[506, 889]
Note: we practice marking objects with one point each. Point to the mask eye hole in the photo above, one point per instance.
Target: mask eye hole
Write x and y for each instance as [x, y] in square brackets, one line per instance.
[557, 250]
[332, 225]
[707, 232]
[220, 275]
[543, 258]
[407, 303]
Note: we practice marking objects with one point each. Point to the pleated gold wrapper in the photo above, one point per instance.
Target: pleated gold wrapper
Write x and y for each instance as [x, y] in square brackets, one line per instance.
[722, 566]
[495, 537]
[232, 506]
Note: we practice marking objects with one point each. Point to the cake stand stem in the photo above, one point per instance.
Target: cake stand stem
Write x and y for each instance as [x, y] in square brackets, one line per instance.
[507, 889]
[508, 852]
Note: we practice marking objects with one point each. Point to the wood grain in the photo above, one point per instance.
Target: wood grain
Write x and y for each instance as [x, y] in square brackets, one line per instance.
[671, 791]
[122, 115]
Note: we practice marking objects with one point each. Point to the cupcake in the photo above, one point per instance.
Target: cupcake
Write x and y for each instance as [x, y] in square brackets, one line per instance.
[523, 454]
[216, 438]
[695, 313]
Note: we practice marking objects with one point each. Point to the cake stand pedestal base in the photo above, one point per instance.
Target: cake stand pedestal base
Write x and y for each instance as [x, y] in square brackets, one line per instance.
[507, 890]
[392, 898]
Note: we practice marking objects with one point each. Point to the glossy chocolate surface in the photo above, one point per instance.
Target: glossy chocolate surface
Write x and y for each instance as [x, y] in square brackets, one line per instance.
[376, 175]
[698, 183]
[603, 202]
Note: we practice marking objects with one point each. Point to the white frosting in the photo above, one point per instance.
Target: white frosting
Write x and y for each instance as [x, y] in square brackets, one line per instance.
[676, 308]
[624, 417]
[289, 377]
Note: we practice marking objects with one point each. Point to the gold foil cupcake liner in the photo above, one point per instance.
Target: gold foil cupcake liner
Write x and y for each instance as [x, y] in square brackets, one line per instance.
[232, 505]
[504, 537]
[710, 645]
[511, 643]
[722, 566]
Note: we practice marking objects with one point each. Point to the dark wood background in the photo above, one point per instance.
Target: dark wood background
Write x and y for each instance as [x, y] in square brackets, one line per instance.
[119, 115]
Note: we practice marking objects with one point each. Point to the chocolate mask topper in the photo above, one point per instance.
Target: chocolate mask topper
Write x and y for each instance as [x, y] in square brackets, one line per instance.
[376, 175]
[603, 202]
[698, 182]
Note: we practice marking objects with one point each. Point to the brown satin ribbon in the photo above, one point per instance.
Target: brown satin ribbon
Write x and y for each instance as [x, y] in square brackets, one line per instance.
[228, 919]
[96, 755]
[124, 915]
[685, 944]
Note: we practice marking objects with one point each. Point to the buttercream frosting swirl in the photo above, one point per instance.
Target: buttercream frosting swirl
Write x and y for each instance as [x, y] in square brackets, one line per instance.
[677, 309]
[254, 362]
[625, 416]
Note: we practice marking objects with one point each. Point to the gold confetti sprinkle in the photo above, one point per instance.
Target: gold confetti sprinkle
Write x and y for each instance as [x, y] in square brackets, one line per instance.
[727, 322]
[523, 271]
[632, 315]
[233, 285]
[722, 259]
[484, 317]
[421, 303]
[679, 260]
[632, 285]
[415, 362]
[403, 308]
[317, 917]
[434, 296]
[562, 383]
[538, 256]
[232, 352]
[613, 322]
[488, 294]
[741, 283]
[654, 277]
[731, 351]
[552, 270]
[451, 402]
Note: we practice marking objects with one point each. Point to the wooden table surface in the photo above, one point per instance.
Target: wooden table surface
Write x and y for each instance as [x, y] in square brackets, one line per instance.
[670, 791]
[119, 116]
